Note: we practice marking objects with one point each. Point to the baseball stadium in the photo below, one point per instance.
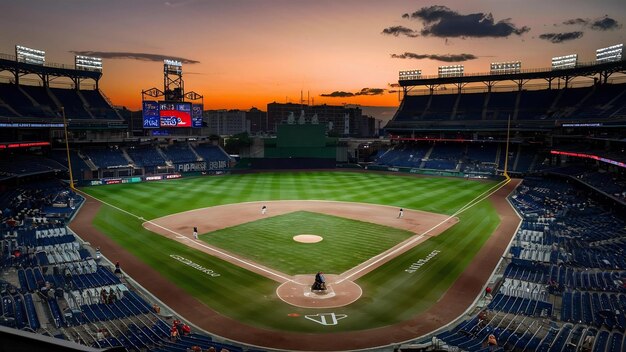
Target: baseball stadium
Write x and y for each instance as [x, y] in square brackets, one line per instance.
[488, 214]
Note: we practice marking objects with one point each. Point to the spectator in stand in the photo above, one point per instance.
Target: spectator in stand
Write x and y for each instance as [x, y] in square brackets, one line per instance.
[492, 342]
[103, 296]
[186, 330]
[118, 270]
[51, 293]
[173, 334]
[112, 296]
[68, 277]
[179, 326]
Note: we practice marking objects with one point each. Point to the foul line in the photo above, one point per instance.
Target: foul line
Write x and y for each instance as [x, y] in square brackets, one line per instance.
[196, 242]
[375, 260]
[470, 204]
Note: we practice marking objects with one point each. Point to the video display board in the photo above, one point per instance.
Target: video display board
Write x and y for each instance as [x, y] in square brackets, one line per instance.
[175, 114]
[151, 114]
[196, 115]
[165, 114]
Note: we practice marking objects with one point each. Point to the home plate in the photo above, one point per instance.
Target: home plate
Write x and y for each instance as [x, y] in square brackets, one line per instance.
[339, 292]
[328, 293]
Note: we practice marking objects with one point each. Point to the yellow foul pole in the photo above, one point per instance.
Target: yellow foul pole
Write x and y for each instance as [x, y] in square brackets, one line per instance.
[67, 149]
[506, 156]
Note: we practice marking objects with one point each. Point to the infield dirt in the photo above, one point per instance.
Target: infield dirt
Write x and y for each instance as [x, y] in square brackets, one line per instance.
[454, 302]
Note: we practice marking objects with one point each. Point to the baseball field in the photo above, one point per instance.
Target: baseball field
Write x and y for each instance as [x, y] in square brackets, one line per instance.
[400, 270]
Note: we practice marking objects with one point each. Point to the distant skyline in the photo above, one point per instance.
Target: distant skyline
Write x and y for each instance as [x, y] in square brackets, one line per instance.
[244, 53]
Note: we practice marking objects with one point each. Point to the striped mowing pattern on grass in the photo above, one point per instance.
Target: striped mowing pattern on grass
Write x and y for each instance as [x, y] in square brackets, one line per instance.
[346, 242]
[390, 294]
[156, 199]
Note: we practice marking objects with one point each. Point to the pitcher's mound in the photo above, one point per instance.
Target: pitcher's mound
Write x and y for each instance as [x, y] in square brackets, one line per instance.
[307, 238]
[338, 293]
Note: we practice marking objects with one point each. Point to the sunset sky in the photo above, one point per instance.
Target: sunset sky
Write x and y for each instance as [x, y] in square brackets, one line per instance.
[244, 53]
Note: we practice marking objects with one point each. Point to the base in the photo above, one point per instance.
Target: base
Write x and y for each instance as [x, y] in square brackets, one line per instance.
[338, 293]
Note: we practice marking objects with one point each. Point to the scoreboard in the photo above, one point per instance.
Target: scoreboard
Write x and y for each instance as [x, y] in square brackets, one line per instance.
[164, 114]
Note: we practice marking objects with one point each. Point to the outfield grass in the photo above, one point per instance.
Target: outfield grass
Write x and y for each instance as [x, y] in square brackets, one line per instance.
[390, 293]
[346, 243]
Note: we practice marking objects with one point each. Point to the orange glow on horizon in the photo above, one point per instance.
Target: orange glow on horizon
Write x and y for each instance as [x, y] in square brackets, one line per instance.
[239, 54]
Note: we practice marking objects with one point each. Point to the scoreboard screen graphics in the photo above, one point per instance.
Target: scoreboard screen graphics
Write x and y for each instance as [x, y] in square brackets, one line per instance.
[167, 115]
[175, 114]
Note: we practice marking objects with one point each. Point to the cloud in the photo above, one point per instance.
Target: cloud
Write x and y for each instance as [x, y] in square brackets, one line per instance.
[561, 37]
[371, 91]
[444, 58]
[364, 91]
[123, 55]
[397, 30]
[177, 3]
[605, 23]
[441, 21]
[576, 21]
[337, 94]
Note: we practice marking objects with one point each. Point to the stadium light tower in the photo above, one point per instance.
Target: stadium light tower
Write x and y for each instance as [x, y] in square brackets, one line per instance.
[564, 62]
[610, 54]
[451, 71]
[506, 67]
[173, 85]
[88, 63]
[410, 74]
[30, 55]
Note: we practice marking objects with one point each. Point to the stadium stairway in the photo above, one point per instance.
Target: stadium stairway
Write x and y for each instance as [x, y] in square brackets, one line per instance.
[193, 150]
[163, 155]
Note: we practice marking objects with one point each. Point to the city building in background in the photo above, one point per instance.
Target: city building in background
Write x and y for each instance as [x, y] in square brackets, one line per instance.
[226, 122]
[339, 120]
[257, 120]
